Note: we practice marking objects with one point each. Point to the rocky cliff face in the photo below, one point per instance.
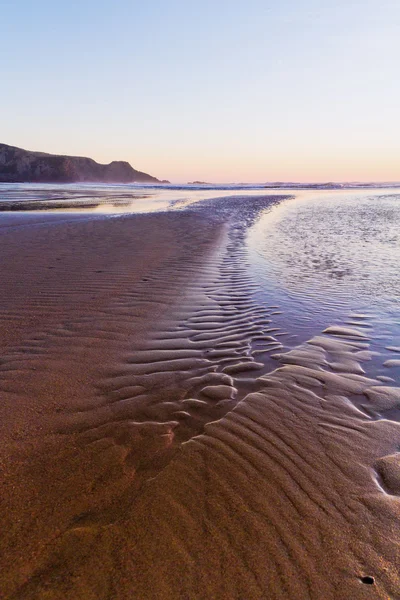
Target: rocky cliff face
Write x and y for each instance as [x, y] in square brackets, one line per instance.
[17, 165]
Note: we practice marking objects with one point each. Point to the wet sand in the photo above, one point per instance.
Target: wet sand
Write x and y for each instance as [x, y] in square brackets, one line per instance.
[148, 451]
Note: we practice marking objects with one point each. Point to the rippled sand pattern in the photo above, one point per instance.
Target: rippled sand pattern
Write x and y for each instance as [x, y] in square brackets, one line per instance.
[149, 449]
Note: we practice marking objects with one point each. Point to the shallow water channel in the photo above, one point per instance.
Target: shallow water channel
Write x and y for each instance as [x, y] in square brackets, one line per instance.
[324, 259]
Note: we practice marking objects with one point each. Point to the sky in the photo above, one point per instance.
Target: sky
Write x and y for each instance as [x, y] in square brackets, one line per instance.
[217, 91]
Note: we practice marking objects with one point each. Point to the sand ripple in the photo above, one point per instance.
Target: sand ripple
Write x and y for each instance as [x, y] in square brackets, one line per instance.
[150, 449]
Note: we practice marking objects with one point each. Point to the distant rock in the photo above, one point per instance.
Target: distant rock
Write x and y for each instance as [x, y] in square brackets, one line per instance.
[198, 183]
[23, 166]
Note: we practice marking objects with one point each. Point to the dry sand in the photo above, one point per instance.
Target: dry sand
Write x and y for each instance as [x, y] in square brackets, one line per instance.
[144, 451]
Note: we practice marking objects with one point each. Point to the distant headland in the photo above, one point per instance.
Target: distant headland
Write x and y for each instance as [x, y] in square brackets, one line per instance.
[23, 166]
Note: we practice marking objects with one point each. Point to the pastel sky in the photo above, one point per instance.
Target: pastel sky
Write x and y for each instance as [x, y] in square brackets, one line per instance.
[222, 90]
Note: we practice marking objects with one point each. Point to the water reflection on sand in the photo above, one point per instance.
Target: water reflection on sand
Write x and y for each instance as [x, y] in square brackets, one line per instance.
[333, 258]
[112, 199]
[321, 257]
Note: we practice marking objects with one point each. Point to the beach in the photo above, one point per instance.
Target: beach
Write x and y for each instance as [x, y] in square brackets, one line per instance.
[165, 434]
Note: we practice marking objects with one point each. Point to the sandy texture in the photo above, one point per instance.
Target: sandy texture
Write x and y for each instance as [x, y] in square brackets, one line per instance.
[77, 296]
[146, 452]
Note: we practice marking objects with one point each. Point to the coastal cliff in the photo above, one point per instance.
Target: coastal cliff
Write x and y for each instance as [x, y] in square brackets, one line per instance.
[20, 166]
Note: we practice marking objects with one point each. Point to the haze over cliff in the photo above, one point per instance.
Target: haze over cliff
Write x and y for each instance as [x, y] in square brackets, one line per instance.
[19, 166]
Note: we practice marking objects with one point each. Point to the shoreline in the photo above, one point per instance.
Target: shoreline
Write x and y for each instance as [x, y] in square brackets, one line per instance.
[147, 453]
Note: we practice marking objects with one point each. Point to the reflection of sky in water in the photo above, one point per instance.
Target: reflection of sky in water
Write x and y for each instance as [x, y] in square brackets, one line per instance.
[325, 257]
[345, 245]
[111, 199]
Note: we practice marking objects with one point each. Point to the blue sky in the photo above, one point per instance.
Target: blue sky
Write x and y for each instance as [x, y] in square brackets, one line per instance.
[217, 91]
